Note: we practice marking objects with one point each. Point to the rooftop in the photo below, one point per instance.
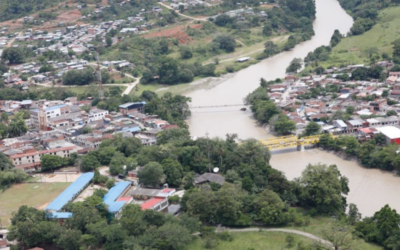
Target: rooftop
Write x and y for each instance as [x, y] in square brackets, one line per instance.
[390, 132]
[110, 199]
[58, 203]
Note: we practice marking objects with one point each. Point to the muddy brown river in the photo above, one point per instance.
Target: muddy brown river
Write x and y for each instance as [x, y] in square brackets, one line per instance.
[370, 189]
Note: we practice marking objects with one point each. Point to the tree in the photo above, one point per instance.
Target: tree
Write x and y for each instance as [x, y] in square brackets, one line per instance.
[175, 135]
[225, 42]
[270, 49]
[353, 215]
[89, 163]
[168, 71]
[86, 130]
[200, 204]
[110, 183]
[172, 236]
[185, 52]
[173, 171]
[295, 65]
[387, 222]
[350, 110]
[385, 93]
[109, 41]
[132, 220]
[268, 208]
[50, 162]
[17, 126]
[267, 29]
[223, 20]
[282, 125]
[151, 175]
[264, 111]
[78, 77]
[13, 55]
[396, 51]
[321, 187]
[5, 163]
[312, 128]
[352, 145]
[391, 112]
[69, 239]
[339, 235]
[117, 164]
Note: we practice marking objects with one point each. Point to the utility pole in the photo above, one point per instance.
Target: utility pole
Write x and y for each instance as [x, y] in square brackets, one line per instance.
[98, 73]
[208, 153]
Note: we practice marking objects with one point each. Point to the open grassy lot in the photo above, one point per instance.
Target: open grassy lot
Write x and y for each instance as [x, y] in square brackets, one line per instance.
[318, 223]
[356, 49]
[31, 194]
[253, 240]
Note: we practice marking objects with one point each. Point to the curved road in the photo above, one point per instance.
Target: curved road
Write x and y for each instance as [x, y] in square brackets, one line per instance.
[291, 231]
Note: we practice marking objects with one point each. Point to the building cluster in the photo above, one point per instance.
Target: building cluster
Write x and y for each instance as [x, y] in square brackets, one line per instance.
[368, 100]
[71, 126]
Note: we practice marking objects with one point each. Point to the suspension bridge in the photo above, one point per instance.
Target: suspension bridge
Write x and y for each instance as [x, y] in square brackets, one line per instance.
[291, 141]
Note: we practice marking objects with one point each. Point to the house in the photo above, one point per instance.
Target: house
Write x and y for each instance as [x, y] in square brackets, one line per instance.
[341, 125]
[137, 106]
[354, 125]
[209, 178]
[378, 104]
[392, 134]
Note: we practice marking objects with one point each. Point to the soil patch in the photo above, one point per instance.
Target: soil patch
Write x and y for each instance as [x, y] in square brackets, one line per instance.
[176, 32]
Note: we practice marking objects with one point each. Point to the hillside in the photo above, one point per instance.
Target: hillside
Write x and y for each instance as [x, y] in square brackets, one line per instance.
[373, 43]
[12, 9]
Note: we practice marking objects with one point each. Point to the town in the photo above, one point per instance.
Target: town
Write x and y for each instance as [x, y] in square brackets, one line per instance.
[123, 124]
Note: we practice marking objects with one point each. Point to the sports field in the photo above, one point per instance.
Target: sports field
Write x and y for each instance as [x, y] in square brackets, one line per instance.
[32, 194]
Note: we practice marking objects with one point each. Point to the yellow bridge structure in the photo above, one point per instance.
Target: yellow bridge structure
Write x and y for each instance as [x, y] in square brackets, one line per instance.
[291, 141]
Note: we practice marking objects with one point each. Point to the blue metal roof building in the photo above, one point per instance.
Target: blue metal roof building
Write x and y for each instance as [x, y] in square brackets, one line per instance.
[113, 194]
[70, 193]
[60, 215]
[55, 107]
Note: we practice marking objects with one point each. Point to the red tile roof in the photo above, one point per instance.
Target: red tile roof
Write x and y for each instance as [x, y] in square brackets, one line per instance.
[151, 203]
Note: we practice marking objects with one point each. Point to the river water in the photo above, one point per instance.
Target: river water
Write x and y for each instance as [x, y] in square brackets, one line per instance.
[220, 121]
[370, 189]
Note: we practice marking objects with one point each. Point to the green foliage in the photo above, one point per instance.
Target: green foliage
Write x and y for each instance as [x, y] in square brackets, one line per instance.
[117, 164]
[270, 49]
[321, 187]
[86, 130]
[89, 163]
[16, 9]
[78, 77]
[13, 55]
[225, 42]
[17, 126]
[151, 175]
[268, 208]
[381, 227]
[50, 162]
[5, 163]
[110, 183]
[312, 128]
[281, 124]
[295, 65]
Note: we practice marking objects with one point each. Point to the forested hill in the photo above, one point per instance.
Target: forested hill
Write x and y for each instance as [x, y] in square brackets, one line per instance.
[11, 9]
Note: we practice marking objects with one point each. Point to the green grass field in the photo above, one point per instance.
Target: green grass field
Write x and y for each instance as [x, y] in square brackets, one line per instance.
[31, 194]
[253, 240]
[355, 49]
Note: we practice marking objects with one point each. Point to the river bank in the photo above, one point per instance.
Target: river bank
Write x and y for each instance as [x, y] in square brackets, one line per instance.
[370, 189]
[233, 90]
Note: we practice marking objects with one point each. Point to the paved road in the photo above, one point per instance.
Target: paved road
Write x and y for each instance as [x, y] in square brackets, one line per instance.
[190, 17]
[292, 231]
